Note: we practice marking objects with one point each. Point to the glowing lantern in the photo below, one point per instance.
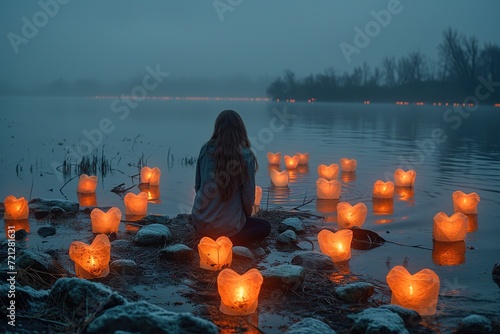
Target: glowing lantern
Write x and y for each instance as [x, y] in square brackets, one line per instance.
[383, 206]
[349, 216]
[136, 205]
[239, 293]
[418, 292]
[348, 165]
[150, 176]
[152, 191]
[328, 189]
[87, 199]
[87, 184]
[279, 179]
[15, 208]
[336, 245]
[274, 158]
[303, 158]
[91, 261]
[465, 203]
[328, 172]
[383, 189]
[450, 229]
[448, 253]
[291, 162]
[258, 195]
[404, 179]
[105, 222]
[215, 255]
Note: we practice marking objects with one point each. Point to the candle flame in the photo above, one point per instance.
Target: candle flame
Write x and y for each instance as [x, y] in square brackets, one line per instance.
[240, 294]
[340, 247]
[92, 261]
[411, 290]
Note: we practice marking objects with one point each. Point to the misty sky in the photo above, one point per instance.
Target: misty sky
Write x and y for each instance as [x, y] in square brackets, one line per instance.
[115, 40]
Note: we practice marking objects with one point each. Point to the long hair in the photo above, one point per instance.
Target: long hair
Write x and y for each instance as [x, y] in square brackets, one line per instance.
[229, 136]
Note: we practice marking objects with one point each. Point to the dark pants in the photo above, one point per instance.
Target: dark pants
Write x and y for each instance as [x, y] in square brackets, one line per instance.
[254, 230]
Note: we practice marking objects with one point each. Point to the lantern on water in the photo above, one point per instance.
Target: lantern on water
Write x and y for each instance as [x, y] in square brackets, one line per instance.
[87, 184]
[91, 261]
[136, 205]
[383, 189]
[348, 165]
[448, 253]
[150, 175]
[215, 254]
[336, 245]
[465, 203]
[291, 162]
[279, 179]
[87, 199]
[383, 206]
[404, 179]
[450, 229]
[105, 222]
[349, 216]
[274, 158]
[258, 195]
[152, 191]
[239, 293]
[303, 158]
[328, 189]
[15, 208]
[328, 172]
[418, 292]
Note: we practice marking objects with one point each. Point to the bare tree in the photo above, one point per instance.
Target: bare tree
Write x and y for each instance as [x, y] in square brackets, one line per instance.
[389, 71]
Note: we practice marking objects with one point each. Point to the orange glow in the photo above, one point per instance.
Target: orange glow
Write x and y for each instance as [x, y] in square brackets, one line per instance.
[136, 205]
[279, 179]
[450, 229]
[348, 177]
[87, 199]
[348, 165]
[239, 293]
[383, 189]
[21, 224]
[291, 162]
[405, 193]
[87, 184]
[448, 253]
[349, 216]
[258, 195]
[15, 208]
[404, 179]
[418, 292]
[215, 254]
[473, 224]
[152, 191]
[91, 261]
[326, 205]
[328, 189]
[383, 206]
[330, 172]
[336, 245]
[105, 222]
[150, 176]
[465, 203]
[274, 158]
[303, 158]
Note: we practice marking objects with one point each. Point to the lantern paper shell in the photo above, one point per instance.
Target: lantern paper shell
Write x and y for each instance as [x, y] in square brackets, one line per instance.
[150, 176]
[328, 172]
[105, 222]
[15, 208]
[465, 203]
[328, 189]
[291, 162]
[349, 216]
[303, 158]
[87, 199]
[136, 205]
[336, 245]
[239, 293]
[279, 179]
[87, 184]
[448, 253]
[404, 179]
[258, 195]
[274, 158]
[91, 261]
[383, 189]
[348, 165]
[450, 229]
[215, 254]
[418, 292]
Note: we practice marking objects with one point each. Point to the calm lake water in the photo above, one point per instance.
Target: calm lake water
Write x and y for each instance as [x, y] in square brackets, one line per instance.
[449, 150]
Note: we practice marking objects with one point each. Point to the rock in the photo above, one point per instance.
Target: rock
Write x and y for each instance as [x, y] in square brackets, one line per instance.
[121, 245]
[410, 317]
[26, 298]
[243, 252]
[355, 292]
[21, 234]
[313, 261]
[53, 206]
[287, 237]
[152, 235]
[153, 219]
[45, 231]
[310, 326]
[283, 277]
[177, 253]
[125, 267]
[377, 320]
[259, 252]
[35, 260]
[81, 298]
[475, 324]
[142, 317]
[293, 224]
[495, 273]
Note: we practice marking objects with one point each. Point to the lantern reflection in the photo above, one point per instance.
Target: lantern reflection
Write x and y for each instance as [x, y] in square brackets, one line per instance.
[405, 193]
[258, 195]
[291, 162]
[20, 224]
[383, 206]
[152, 191]
[87, 199]
[274, 158]
[302, 169]
[326, 205]
[328, 189]
[448, 253]
[348, 177]
[473, 225]
[465, 203]
[239, 293]
[330, 172]
[15, 208]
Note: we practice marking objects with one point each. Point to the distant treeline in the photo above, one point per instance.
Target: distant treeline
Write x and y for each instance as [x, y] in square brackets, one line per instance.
[461, 67]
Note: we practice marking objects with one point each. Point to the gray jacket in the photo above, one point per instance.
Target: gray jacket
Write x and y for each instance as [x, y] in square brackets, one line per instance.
[211, 215]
